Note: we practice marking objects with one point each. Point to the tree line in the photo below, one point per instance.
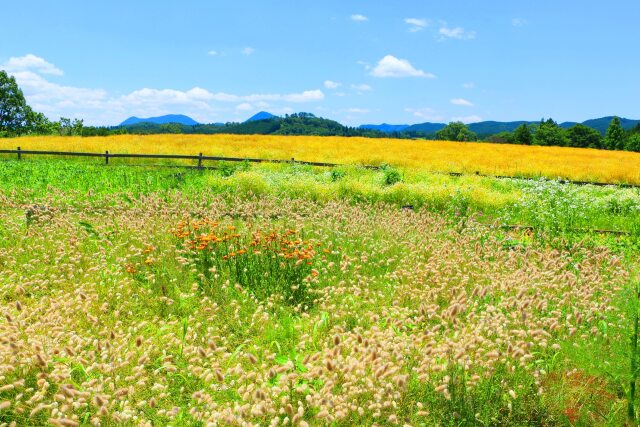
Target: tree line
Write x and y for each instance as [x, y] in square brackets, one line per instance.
[17, 118]
[549, 133]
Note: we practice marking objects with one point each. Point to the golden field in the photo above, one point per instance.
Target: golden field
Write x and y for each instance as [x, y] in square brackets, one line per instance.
[444, 156]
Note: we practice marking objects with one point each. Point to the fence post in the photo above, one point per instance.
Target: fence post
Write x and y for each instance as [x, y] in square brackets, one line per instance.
[19, 154]
[293, 161]
[106, 157]
[200, 161]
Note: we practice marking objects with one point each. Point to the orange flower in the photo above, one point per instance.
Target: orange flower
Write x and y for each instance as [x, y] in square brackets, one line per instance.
[148, 261]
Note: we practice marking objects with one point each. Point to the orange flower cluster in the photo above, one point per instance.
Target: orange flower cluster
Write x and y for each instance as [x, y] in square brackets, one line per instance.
[206, 234]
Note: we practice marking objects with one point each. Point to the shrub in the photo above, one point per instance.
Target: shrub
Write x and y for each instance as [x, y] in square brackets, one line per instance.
[391, 175]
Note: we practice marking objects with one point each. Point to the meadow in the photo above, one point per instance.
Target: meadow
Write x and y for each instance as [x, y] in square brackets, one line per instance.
[577, 164]
[294, 295]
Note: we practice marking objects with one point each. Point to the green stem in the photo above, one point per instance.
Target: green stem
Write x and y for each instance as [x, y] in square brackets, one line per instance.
[631, 411]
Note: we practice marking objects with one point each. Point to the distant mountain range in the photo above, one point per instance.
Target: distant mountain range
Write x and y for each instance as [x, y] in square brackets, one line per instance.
[492, 127]
[387, 128]
[161, 120]
[482, 129]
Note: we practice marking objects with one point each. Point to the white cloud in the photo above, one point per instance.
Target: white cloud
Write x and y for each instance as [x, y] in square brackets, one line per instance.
[247, 51]
[427, 114]
[212, 52]
[362, 87]
[331, 84]
[390, 66]
[199, 94]
[518, 22]
[306, 96]
[245, 106]
[31, 62]
[99, 107]
[358, 18]
[358, 110]
[456, 33]
[469, 85]
[416, 24]
[467, 119]
[461, 101]
[366, 65]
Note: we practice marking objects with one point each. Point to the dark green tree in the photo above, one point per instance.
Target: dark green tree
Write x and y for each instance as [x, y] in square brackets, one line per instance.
[39, 124]
[502, 138]
[456, 131]
[65, 128]
[14, 111]
[584, 137]
[522, 135]
[549, 133]
[633, 142]
[614, 138]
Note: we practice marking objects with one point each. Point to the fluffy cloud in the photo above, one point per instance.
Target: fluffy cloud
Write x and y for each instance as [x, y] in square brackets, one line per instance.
[461, 101]
[467, 119]
[362, 87]
[416, 24]
[98, 107]
[469, 85]
[245, 106]
[31, 62]
[331, 84]
[247, 51]
[390, 66]
[456, 33]
[212, 52]
[426, 114]
[358, 18]
[358, 110]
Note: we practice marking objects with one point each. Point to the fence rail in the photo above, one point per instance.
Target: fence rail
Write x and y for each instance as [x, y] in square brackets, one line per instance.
[202, 158]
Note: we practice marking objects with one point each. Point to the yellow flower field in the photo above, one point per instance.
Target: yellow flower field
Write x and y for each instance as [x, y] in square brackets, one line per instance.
[485, 158]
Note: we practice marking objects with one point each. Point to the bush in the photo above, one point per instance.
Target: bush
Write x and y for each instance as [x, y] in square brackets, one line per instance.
[391, 175]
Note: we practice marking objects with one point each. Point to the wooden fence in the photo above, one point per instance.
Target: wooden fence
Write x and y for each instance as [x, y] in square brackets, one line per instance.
[202, 158]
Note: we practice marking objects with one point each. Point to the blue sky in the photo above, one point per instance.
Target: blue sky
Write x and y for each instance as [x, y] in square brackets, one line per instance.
[354, 61]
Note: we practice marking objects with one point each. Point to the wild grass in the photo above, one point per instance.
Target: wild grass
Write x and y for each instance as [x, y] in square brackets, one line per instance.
[492, 159]
[122, 304]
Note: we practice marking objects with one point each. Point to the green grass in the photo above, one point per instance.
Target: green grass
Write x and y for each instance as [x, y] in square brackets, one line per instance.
[436, 315]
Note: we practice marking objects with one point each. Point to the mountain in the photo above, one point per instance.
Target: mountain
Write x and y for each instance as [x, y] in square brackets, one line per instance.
[486, 128]
[385, 127]
[427, 127]
[169, 118]
[492, 127]
[602, 123]
[262, 115]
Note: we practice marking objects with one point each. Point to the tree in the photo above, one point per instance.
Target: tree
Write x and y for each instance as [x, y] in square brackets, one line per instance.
[584, 136]
[14, 111]
[549, 133]
[65, 128]
[633, 143]
[502, 138]
[456, 131]
[614, 138]
[77, 125]
[522, 135]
